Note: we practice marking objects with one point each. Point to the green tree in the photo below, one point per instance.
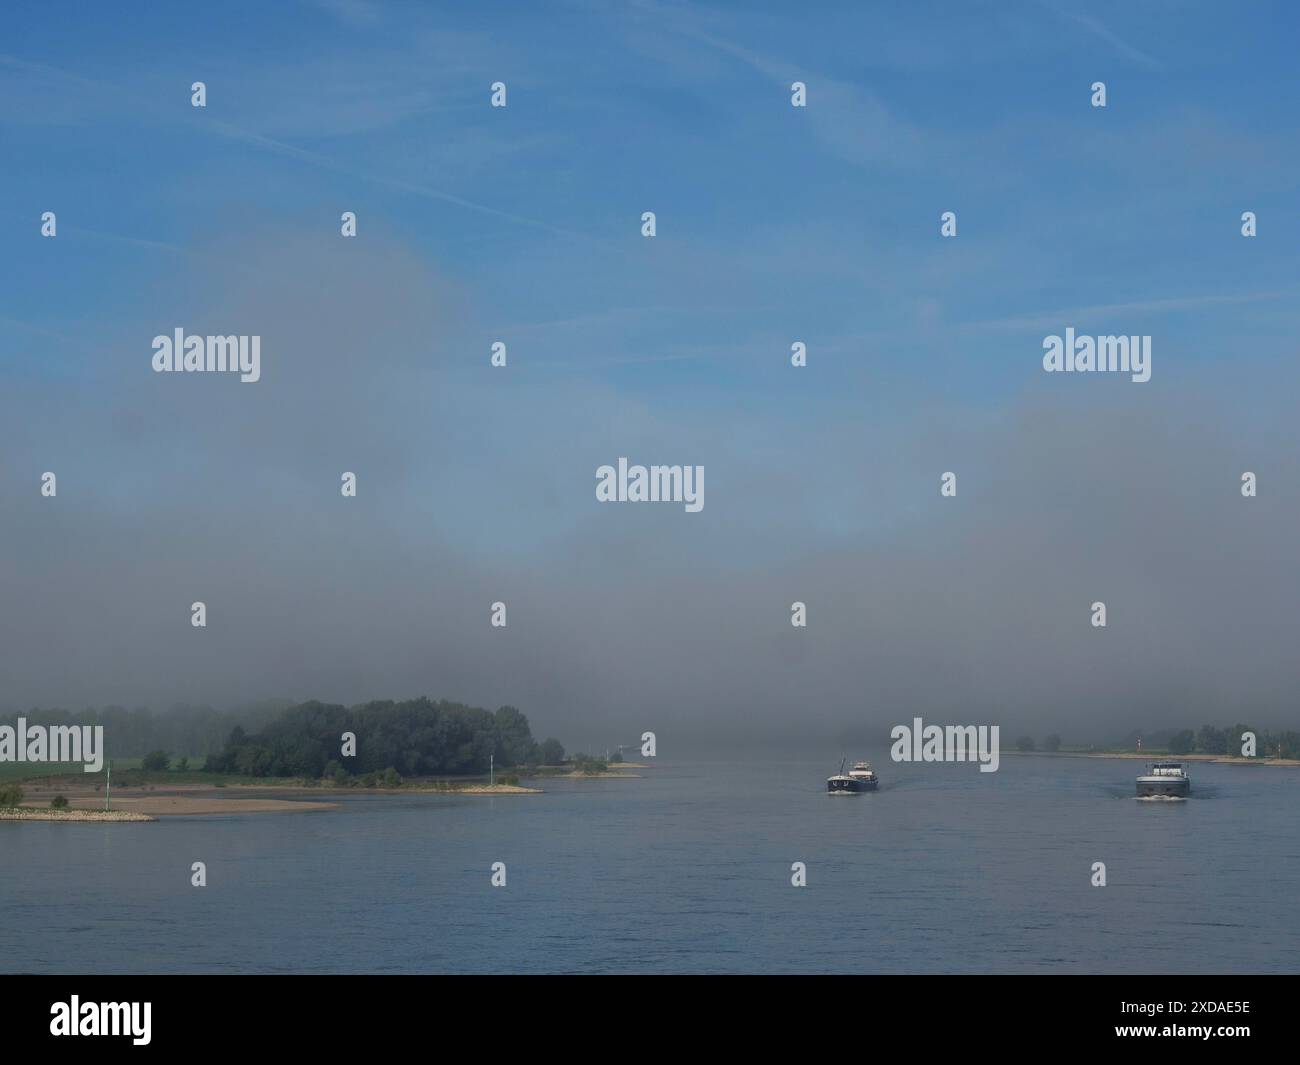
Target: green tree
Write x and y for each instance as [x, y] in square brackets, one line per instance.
[183, 765]
[1025, 743]
[1182, 742]
[1283, 745]
[252, 761]
[552, 752]
[1233, 741]
[514, 739]
[586, 763]
[59, 802]
[1211, 740]
[417, 738]
[1052, 743]
[155, 762]
[10, 795]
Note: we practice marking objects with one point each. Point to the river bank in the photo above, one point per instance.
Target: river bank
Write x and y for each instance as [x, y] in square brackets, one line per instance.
[22, 813]
[208, 799]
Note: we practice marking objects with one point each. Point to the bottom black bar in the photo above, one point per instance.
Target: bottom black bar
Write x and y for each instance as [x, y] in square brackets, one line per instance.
[363, 1014]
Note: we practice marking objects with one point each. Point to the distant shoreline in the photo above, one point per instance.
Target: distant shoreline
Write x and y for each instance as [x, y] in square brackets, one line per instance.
[600, 774]
[1161, 756]
[151, 801]
[432, 789]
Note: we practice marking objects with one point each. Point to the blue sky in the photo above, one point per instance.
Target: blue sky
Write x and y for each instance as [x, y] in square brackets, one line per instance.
[521, 224]
[775, 223]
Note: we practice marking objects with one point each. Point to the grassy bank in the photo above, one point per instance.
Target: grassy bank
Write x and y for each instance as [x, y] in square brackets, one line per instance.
[10, 771]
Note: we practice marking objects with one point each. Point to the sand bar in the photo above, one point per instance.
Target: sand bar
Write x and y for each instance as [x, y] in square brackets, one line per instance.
[74, 816]
[199, 800]
[193, 800]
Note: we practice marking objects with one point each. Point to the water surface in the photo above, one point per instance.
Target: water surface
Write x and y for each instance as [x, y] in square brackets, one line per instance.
[687, 869]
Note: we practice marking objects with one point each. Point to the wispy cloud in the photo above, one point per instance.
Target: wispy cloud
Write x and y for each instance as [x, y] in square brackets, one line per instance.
[1159, 306]
[149, 108]
[140, 242]
[1099, 29]
[850, 120]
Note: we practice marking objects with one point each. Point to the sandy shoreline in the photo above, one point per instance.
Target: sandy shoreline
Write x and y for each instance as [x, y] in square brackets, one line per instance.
[214, 797]
[608, 774]
[84, 817]
[129, 801]
[431, 789]
[205, 800]
[179, 801]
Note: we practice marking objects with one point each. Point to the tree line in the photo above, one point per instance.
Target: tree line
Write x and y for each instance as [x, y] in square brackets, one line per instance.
[416, 738]
[1208, 739]
[135, 732]
[1211, 740]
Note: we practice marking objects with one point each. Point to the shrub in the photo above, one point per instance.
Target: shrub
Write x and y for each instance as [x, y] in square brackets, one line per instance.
[59, 802]
[155, 762]
[585, 763]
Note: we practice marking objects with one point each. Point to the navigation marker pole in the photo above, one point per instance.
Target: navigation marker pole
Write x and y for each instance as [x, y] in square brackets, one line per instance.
[492, 770]
[108, 789]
